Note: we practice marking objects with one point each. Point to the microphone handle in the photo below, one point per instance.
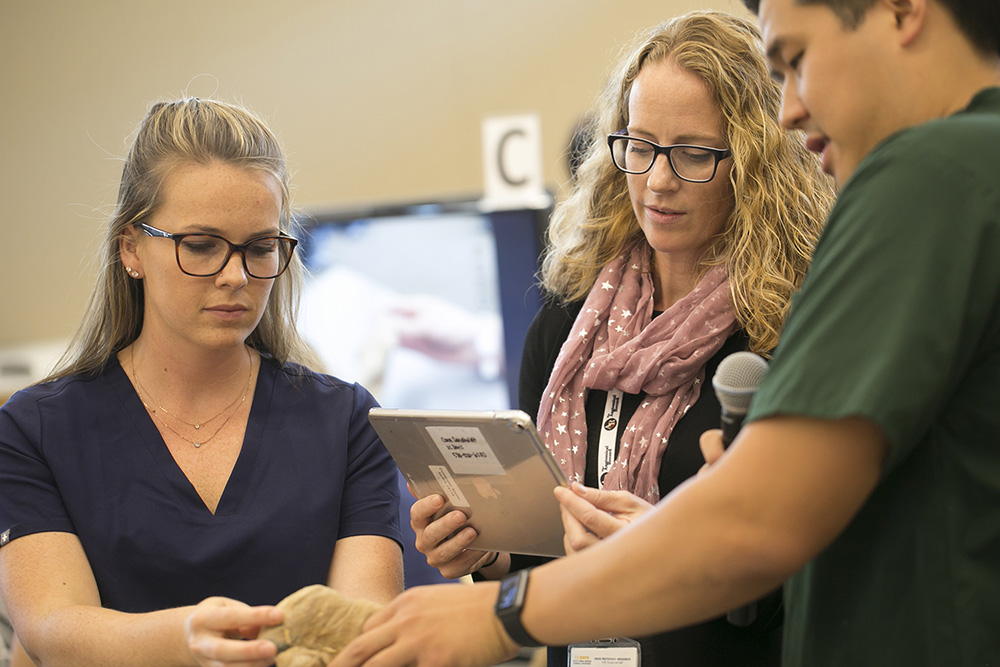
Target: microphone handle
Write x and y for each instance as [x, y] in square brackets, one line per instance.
[731, 424]
[743, 616]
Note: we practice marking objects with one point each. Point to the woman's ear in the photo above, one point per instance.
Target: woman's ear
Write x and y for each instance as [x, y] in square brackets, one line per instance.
[127, 251]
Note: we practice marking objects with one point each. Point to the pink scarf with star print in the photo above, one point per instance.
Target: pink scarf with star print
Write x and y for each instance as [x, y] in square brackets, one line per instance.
[616, 343]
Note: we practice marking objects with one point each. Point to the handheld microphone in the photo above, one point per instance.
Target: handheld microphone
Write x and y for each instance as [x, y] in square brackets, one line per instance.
[735, 383]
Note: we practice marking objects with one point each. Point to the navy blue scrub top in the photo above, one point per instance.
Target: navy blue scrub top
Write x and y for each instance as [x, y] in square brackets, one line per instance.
[81, 455]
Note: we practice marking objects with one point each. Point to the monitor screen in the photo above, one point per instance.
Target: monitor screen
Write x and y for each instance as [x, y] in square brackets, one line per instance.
[426, 305]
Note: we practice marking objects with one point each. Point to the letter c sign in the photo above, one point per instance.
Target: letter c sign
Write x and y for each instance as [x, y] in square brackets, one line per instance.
[512, 162]
[501, 152]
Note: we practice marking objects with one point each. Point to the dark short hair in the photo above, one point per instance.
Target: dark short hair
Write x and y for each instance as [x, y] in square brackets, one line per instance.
[978, 19]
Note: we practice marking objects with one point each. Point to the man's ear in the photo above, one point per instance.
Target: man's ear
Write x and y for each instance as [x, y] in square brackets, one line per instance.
[910, 17]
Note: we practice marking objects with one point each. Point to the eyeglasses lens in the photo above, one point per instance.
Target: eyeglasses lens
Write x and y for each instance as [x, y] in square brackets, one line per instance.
[636, 156]
[206, 255]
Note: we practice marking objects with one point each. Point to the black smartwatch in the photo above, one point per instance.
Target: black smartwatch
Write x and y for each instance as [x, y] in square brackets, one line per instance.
[510, 600]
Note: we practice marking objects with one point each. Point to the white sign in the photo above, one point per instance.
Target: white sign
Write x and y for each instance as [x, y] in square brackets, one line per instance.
[512, 163]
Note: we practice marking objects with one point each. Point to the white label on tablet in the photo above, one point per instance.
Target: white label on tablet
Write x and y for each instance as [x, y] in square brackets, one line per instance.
[444, 478]
[465, 450]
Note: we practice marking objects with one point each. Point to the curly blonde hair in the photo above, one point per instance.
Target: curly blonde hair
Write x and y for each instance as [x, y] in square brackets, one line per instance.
[782, 196]
[185, 131]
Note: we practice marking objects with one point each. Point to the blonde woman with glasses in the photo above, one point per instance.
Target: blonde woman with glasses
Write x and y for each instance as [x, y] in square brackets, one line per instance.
[691, 224]
[185, 468]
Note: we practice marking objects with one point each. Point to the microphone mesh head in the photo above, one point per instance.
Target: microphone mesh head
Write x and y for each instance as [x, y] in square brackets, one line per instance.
[737, 380]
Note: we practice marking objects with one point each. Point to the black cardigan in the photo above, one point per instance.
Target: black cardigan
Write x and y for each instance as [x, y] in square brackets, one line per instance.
[715, 642]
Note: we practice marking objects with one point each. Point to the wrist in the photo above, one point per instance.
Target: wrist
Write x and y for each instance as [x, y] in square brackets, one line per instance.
[490, 560]
[509, 605]
[493, 571]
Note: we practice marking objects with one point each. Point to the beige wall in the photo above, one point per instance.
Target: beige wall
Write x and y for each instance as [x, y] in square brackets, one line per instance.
[375, 101]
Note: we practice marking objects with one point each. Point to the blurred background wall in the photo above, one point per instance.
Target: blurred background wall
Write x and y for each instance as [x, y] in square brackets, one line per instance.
[376, 101]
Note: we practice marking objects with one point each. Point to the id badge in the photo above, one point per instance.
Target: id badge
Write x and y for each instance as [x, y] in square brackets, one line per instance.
[613, 652]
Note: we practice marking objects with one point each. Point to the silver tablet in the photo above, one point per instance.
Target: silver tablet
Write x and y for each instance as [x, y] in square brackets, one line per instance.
[492, 465]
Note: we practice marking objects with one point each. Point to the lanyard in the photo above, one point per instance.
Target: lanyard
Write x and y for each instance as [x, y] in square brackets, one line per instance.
[609, 435]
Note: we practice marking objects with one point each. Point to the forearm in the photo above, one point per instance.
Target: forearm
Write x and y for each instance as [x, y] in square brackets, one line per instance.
[659, 580]
[55, 607]
[84, 636]
[780, 494]
[367, 566]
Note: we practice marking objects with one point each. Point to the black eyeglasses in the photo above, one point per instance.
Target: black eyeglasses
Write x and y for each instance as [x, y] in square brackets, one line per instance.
[695, 164]
[203, 255]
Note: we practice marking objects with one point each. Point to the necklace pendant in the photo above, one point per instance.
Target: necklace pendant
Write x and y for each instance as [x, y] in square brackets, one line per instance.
[197, 425]
[196, 445]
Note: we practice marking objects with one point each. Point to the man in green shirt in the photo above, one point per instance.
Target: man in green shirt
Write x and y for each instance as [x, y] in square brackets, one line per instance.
[898, 324]
[869, 470]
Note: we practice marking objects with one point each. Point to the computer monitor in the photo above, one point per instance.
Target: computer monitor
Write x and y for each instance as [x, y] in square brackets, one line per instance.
[424, 304]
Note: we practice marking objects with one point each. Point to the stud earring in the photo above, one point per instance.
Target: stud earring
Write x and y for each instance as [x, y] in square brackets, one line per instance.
[131, 272]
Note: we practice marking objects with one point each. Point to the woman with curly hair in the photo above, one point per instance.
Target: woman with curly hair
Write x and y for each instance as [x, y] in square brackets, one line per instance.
[691, 224]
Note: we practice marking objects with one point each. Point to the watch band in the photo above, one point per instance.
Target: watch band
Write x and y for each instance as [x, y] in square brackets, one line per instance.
[510, 601]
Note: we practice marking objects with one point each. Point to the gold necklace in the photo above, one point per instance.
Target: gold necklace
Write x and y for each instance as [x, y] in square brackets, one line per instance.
[170, 414]
[197, 443]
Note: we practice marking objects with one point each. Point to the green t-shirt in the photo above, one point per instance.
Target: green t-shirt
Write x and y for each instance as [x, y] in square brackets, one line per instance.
[899, 322]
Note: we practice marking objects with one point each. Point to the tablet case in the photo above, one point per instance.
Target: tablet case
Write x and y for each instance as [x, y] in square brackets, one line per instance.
[492, 465]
